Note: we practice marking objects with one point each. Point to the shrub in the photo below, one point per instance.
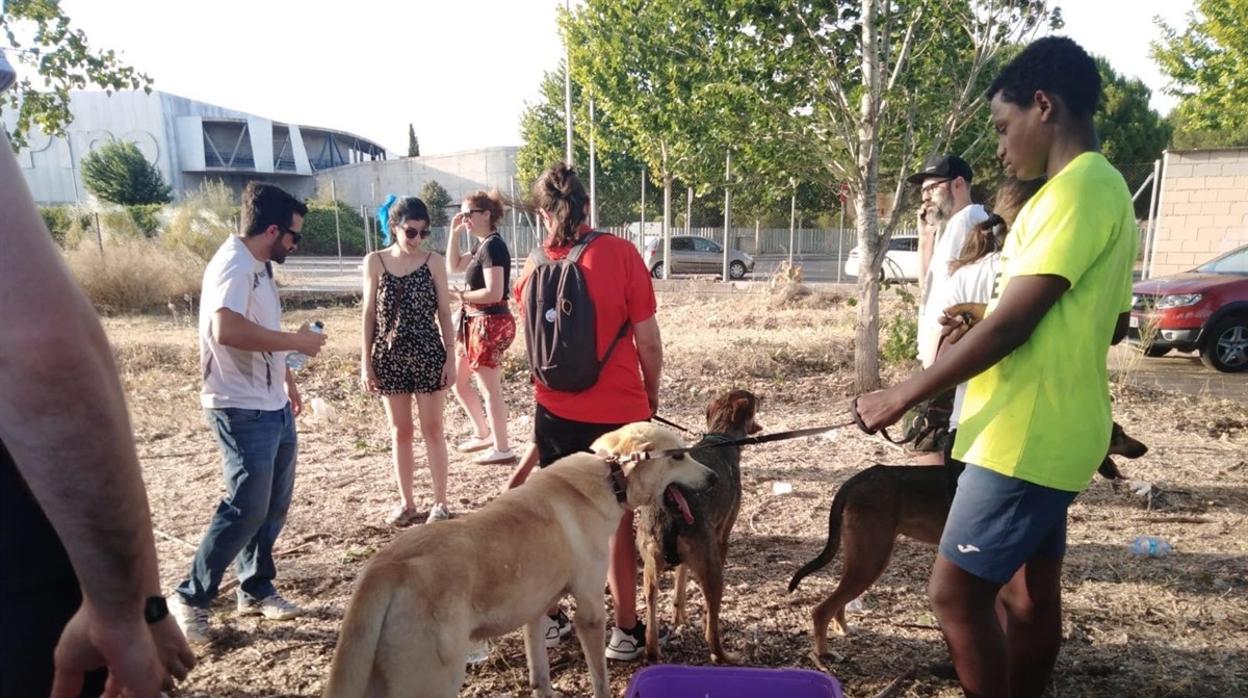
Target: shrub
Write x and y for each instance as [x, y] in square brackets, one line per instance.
[201, 221]
[146, 217]
[319, 234]
[135, 274]
[901, 338]
[119, 173]
[60, 220]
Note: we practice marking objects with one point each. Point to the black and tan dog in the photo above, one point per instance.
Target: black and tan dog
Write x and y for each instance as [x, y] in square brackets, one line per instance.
[692, 535]
[873, 507]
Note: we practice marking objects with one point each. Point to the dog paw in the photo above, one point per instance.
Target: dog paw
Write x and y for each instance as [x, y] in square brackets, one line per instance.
[725, 658]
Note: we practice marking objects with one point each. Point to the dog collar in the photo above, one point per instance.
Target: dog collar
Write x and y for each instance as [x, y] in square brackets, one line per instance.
[619, 485]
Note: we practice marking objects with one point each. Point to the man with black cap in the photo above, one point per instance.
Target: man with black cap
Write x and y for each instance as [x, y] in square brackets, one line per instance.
[946, 193]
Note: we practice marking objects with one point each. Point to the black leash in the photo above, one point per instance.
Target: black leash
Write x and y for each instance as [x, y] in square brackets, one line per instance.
[674, 425]
[744, 441]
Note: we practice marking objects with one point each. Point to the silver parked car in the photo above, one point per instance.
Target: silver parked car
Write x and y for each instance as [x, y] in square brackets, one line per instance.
[695, 255]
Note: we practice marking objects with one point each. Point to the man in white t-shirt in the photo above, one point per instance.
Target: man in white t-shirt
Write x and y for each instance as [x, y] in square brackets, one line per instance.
[251, 402]
[946, 187]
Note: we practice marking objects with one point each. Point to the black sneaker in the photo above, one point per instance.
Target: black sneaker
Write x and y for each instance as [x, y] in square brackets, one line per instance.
[628, 645]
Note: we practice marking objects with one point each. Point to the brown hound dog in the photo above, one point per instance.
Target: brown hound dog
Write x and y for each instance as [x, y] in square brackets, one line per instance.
[692, 535]
[873, 507]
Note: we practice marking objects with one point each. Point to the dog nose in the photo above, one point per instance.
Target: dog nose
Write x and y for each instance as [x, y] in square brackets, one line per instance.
[711, 478]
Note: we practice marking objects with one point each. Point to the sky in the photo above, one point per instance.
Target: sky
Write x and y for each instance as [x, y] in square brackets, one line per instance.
[460, 71]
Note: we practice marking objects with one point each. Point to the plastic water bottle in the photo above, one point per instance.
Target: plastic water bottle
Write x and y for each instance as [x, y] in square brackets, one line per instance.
[1148, 546]
[297, 360]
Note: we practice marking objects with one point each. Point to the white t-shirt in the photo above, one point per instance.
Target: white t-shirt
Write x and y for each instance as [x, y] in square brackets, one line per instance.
[970, 284]
[235, 280]
[948, 247]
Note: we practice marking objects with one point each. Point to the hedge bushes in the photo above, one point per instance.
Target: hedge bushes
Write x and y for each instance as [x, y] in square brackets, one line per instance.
[318, 230]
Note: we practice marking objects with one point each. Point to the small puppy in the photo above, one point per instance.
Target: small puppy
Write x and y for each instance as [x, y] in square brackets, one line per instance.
[436, 589]
[689, 530]
[873, 507]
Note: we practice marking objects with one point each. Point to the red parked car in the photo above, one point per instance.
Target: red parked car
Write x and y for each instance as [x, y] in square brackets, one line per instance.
[1205, 310]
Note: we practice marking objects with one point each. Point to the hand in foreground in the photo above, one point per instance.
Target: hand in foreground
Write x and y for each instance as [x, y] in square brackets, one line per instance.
[140, 660]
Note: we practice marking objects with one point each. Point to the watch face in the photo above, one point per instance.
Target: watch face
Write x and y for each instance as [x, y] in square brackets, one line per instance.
[155, 609]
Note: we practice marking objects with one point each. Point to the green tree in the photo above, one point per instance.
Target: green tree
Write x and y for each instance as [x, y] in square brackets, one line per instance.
[118, 172]
[63, 61]
[1131, 132]
[413, 145]
[437, 199]
[657, 71]
[871, 89]
[542, 133]
[1206, 63]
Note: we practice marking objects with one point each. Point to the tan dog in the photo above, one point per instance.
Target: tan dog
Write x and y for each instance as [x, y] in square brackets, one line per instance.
[873, 507]
[434, 591]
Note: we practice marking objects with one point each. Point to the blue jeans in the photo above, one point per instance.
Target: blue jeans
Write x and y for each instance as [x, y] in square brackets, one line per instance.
[259, 449]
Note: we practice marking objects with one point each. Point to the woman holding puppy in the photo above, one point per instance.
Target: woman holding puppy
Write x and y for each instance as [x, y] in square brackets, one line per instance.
[408, 350]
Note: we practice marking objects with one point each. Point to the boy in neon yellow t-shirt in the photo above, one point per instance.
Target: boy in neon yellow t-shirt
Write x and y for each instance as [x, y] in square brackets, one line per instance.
[1036, 422]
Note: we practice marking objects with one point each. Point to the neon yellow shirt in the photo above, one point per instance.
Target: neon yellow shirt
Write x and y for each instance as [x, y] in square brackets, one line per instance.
[1042, 413]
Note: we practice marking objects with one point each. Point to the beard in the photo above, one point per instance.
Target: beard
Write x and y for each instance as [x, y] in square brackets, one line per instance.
[940, 211]
[278, 252]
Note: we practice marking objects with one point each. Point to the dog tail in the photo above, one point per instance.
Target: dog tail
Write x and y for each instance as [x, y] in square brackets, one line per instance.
[834, 538]
[361, 633]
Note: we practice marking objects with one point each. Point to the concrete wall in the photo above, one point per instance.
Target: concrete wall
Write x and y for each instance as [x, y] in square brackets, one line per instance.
[168, 129]
[1203, 210]
[368, 183]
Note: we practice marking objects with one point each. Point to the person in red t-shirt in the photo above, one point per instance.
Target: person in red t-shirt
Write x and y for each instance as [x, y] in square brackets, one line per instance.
[628, 385]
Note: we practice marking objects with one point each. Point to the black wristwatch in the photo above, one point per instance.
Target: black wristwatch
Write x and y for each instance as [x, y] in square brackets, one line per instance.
[155, 609]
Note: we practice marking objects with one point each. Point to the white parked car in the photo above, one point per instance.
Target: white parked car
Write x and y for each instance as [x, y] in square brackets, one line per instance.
[901, 262]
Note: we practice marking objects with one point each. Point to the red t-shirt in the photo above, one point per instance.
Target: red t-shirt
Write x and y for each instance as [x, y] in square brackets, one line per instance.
[619, 285]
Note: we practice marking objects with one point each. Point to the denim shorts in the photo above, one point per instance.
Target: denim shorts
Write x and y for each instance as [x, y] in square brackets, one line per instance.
[997, 523]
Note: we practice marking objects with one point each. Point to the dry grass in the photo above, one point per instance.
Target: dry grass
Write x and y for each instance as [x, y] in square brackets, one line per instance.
[1173, 626]
[135, 275]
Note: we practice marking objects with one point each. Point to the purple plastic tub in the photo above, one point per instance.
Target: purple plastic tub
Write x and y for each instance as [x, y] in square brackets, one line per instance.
[673, 681]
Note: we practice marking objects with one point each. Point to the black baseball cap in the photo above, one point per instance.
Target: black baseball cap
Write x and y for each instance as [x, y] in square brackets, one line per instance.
[946, 167]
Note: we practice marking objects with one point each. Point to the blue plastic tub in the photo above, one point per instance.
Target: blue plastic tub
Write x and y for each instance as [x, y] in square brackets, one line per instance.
[673, 681]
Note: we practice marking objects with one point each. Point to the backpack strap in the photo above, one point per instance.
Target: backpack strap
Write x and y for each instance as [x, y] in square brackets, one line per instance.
[618, 336]
[578, 248]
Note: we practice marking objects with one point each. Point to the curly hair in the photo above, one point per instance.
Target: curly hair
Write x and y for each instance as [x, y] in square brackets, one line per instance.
[560, 193]
[1054, 64]
[491, 201]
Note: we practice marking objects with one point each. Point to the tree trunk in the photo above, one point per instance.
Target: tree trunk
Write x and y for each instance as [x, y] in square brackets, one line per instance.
[867, 329]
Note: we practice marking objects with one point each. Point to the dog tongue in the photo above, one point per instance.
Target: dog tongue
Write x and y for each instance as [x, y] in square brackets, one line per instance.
[673, 493]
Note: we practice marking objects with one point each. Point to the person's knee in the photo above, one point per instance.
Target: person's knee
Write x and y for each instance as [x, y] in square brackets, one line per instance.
[402, 433]
[431, 430]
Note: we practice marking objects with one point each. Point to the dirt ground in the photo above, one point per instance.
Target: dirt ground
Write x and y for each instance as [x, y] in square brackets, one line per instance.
[1157, 627]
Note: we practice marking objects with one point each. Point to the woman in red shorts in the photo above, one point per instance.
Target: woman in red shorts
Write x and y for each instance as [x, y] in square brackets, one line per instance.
[486, 325]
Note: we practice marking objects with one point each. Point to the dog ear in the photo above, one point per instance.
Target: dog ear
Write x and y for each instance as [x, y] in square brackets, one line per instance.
[606, 445]
[742, 412]
[713, 408]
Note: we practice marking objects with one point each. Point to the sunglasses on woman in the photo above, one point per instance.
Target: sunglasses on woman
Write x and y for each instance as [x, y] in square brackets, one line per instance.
[413, 233]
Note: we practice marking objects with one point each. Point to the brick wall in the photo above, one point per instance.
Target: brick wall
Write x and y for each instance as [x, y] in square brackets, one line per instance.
[1203, 210]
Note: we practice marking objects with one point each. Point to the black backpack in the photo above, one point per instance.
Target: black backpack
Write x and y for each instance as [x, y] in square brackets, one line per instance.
[559, 329]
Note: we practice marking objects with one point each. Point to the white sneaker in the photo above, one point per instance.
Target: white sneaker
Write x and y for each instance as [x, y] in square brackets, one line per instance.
[273, 607]
[556, 628]
[494, 457]
[628, 646]
[474, 443]
[193, 621]
[439, 512]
